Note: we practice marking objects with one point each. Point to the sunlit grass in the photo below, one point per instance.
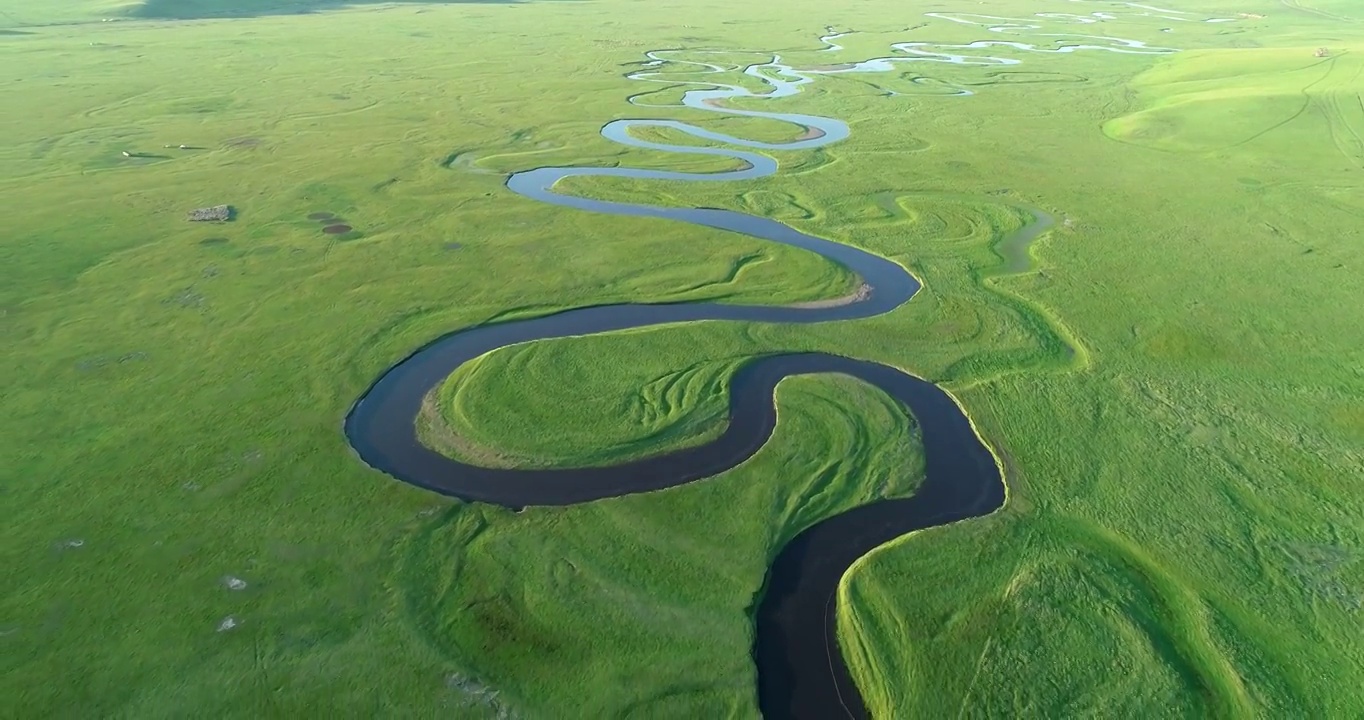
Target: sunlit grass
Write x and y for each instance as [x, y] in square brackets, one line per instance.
[1174, 384]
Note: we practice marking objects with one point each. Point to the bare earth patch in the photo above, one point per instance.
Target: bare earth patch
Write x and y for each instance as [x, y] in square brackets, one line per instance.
[435, 433]
[862, 292]
[234, 583]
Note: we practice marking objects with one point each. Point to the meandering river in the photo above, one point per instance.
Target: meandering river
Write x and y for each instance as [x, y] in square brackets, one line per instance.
[801, 672]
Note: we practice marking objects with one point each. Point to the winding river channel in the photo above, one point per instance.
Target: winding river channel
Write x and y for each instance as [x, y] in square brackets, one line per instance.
[801, 672]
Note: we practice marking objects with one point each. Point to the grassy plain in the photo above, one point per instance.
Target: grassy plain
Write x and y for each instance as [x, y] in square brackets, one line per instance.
[1175, 386]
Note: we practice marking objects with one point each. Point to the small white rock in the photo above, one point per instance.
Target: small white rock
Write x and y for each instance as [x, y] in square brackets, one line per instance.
[234, 583]
[228, 623]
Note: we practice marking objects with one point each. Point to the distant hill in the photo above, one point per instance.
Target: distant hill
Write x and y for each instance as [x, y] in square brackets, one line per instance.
[197, 9]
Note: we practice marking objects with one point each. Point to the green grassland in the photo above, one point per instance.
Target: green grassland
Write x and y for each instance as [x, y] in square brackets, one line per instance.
[647, 611]
[1174, 384]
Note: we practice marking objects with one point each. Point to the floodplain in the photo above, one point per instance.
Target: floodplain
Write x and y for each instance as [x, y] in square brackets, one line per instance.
[1170, 375]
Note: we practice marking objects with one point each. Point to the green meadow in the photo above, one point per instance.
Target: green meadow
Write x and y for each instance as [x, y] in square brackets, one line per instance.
[1173, 381]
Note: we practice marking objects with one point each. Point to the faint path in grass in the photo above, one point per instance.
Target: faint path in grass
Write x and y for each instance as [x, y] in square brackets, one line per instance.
[1343, 105]
[1306, 103]
[1297, 5]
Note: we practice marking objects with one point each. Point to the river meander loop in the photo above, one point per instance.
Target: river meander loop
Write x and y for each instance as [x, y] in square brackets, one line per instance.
[801, 673]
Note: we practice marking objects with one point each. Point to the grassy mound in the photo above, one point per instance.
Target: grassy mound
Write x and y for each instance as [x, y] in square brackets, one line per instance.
[518, 407]
[1285, 99]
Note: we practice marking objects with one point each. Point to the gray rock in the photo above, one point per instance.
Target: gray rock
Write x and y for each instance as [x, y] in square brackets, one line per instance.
[217, 213]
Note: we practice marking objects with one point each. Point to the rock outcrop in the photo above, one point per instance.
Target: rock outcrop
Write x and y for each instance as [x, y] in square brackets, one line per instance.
[215, 213]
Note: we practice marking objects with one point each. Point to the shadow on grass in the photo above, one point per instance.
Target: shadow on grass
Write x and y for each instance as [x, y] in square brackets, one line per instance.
[205, 9]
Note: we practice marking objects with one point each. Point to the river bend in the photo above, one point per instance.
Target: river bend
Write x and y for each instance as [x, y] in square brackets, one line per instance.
[801, 673]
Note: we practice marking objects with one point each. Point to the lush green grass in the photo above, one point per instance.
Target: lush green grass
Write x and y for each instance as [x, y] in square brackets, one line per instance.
[1175, 387]
[1223, 99]
[487, 413]
[645, 599]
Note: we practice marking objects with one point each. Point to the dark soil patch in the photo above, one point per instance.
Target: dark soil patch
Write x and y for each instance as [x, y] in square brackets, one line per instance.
[498, 625]
[321, 216]
[336, 229]
[187, 298]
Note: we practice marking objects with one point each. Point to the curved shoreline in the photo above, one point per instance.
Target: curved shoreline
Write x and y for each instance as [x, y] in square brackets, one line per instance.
[800, 672]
